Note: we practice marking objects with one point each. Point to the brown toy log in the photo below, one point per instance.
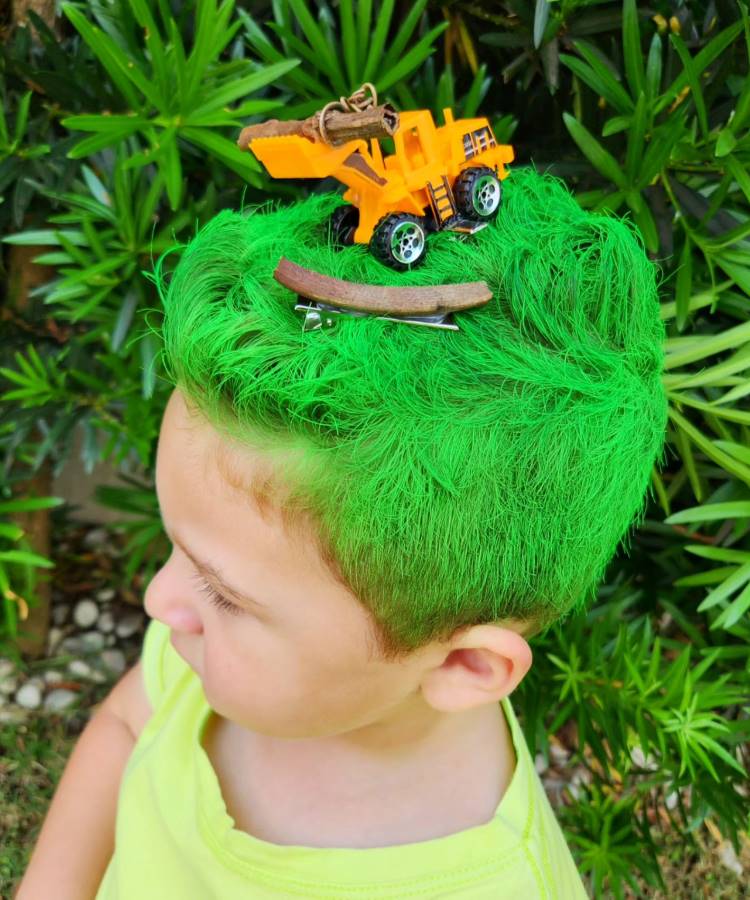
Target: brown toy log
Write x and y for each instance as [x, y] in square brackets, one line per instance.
[380, 298]
[339, 127]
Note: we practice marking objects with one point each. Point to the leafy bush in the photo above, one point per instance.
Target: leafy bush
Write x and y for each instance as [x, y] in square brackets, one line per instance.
[118, 138]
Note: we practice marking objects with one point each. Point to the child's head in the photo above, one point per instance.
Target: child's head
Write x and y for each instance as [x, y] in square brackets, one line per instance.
[455, 488]
[296, 654]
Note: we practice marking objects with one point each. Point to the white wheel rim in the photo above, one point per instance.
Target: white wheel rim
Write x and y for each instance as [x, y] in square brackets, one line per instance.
[407, 242]
[486, 195]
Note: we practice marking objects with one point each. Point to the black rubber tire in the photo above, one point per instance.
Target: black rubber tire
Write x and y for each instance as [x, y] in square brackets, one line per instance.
[381, 245]
[463, 192]
[342, 224]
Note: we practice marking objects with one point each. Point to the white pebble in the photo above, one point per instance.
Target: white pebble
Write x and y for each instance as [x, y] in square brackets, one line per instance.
[105, 594]
[54, 638]
[129, 625]
[52, 676]
[7, 667]
[60, 613]
[29, 696]
[95, 538]
[114, 660]
[92, 640]
[559, 754]
[106, 622]
[58, 699]
[82, 643]
[85, 613]
[80, 668]
[729, 858]
[8, 684]
[12, 715]
[577, 779]
[72, 644]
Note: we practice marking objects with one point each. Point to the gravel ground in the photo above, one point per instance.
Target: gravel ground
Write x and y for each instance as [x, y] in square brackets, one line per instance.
[96, 631]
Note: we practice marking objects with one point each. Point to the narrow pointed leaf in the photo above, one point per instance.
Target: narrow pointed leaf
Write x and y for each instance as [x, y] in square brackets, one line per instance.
[243, 86]
[316, 39]
[601, 159]
[684, 283]
[700, 62]
[654, 67]
[242, 162]
[636, 134]
[418, 53]
[711, 512]
[404, 33]
[377, 40]
[728, 586]
[734, 612]
[541, 17]
[608, 85]
[348, 39]
[631, 47]
[693, 80]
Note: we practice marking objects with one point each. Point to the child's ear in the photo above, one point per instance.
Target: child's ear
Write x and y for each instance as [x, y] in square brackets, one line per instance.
[482, 664]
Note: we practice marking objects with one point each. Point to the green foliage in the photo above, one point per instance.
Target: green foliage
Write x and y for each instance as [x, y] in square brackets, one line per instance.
[641, 113]
[170, 94]
[118, 138]
[428, 90]
[18, 567]
[362, 43]
[726, 613]
[651, 707]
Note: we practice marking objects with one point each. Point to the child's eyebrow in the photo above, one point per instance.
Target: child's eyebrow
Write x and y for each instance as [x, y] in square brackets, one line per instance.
[209, 571]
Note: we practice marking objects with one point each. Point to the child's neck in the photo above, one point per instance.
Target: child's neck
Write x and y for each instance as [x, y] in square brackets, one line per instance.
[412, 777]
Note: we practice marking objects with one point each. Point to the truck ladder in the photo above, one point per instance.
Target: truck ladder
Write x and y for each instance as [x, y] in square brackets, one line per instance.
[441, 201]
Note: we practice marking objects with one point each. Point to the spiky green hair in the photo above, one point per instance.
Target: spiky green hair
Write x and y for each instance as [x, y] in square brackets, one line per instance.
[455, 478]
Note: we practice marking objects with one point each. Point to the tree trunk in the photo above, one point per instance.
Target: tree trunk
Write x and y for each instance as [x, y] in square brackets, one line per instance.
[23, 274]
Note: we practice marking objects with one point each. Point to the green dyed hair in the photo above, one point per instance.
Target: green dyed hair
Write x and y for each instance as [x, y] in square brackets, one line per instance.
[454, 478]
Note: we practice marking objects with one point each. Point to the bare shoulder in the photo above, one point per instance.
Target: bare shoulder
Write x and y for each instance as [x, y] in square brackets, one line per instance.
[128, 700]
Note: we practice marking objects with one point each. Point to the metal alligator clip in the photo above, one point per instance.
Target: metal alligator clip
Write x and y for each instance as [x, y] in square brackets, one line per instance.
[323, 299]
[322, 315]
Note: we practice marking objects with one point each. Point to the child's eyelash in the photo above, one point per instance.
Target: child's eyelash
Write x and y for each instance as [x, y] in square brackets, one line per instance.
[215, 597]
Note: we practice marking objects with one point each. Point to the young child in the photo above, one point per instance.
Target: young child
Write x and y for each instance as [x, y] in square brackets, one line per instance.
[368, 524]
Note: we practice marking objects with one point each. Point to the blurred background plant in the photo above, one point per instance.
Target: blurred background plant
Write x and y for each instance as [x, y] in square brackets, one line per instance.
[117, 139]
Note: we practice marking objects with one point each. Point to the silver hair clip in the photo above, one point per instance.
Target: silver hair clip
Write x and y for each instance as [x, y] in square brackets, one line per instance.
[324, 299]
[323, 315]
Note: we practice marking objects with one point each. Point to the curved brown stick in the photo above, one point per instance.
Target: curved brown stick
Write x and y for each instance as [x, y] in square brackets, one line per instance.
[380, 298]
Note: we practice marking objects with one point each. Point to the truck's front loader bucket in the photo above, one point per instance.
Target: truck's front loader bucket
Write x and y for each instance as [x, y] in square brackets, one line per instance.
[292, 156]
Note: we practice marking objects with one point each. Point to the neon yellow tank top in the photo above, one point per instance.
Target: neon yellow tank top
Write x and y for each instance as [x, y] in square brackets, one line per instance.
[174, 839]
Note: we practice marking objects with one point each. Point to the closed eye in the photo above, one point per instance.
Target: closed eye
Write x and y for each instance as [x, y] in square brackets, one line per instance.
[215, 597]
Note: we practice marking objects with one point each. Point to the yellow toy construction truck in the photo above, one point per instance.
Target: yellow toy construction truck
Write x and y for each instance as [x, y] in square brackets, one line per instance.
[444, 178]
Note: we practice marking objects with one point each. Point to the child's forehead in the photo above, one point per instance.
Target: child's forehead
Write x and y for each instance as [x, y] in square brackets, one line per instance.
[237, 470]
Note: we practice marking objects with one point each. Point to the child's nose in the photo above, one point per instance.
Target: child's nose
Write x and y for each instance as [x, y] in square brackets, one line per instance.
[168, 599]
[181, 618]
